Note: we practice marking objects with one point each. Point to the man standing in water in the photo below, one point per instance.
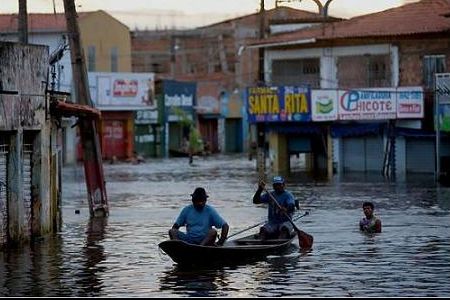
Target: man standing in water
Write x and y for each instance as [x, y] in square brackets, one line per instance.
[199, 219]
[370, 223]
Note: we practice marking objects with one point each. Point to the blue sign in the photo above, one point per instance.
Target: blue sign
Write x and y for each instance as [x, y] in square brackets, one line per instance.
[179, 97]
[278, 104]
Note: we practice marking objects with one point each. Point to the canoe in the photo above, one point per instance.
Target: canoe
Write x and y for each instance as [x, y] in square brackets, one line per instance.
[243, 250]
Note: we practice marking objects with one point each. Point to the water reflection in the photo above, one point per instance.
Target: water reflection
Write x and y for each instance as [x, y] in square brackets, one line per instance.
[194, 282]
[118, 256]
[93, 255]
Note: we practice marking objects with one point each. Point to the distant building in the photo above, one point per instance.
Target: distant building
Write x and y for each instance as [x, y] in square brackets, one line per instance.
[394, 51]
[107, 48]
[213, 56]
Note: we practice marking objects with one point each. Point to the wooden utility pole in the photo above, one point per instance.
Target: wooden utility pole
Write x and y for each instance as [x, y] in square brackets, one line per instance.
[23, 22]
[93, 166]
[260, 127]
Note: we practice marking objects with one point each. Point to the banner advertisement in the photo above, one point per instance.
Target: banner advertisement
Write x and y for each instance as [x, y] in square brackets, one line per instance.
[122, 91]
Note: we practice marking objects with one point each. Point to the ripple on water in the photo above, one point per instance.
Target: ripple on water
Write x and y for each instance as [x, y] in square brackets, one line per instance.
[121, 258]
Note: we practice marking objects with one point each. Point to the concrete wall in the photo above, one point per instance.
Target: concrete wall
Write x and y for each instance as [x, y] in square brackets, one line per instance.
[25, 119]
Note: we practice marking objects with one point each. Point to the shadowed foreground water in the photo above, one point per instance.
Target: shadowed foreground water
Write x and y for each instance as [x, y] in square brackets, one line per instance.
[118, 256]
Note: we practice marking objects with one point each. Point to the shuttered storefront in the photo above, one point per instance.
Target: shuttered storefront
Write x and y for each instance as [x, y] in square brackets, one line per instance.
[233, 135]
[3, 190]
[178, 142]
[26, 176]
[420, 155]
[363, 154]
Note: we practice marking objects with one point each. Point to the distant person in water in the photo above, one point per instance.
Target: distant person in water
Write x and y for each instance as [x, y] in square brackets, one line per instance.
[199, 218]
[370, 223]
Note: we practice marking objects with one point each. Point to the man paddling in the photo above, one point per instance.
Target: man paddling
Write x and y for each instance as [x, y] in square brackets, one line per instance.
[199, 219]
[278, 225]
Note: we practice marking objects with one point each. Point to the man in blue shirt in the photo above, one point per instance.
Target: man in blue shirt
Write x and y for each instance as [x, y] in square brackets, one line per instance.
[199, 219]
[278, 225]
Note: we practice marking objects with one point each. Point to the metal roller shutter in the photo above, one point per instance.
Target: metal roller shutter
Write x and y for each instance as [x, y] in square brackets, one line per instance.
[3, 191]
[363, 154]
[353, 154]
[374, 153]
[27, 171]
[420, 155]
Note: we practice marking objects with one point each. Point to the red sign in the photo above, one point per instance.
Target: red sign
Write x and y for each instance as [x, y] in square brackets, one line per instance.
[125, 88]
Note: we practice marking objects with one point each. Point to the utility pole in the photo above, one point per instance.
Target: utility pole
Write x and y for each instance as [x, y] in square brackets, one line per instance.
[93, 166]
[260, 127]
[23, 22]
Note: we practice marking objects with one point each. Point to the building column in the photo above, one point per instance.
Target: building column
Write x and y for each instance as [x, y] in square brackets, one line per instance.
[329, 153]
[278, 153]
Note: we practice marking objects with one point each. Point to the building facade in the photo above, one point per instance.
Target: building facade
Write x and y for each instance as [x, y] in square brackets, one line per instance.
[30, 146]
[384, 52]
[213, 57]
[106, 45]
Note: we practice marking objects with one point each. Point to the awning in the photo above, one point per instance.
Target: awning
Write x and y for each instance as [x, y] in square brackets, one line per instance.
[345, 130]
[65, 109]
[412, 132]
[299, 128]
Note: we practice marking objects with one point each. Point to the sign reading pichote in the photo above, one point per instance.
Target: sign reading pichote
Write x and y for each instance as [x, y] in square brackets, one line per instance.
[278, 104]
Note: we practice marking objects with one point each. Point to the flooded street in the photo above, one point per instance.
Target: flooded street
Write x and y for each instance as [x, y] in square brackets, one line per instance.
[119, 256]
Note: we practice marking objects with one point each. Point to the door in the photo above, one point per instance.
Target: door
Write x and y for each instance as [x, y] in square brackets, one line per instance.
[233, 135]
[114, 139]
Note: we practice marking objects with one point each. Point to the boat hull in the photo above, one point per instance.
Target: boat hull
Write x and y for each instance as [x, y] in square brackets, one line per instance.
[239, 251]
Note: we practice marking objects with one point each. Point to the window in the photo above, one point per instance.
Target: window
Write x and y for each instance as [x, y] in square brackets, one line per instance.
[114, 59]
[91, 58]
[304, 71]
[432, 64]
[364, 71]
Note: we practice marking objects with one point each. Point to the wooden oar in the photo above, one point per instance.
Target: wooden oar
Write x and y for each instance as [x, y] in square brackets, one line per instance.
[262, 222]
[305, 240]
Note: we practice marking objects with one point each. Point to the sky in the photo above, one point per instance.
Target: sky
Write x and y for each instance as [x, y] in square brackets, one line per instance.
[169, 14]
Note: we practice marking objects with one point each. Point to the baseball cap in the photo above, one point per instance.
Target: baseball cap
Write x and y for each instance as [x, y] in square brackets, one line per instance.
[278, 179]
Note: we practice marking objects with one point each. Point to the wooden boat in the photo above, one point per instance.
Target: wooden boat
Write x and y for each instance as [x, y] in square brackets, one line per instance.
[243, 250]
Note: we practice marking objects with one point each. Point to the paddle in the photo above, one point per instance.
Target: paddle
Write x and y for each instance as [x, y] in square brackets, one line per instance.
[260, 223]
[305, 240]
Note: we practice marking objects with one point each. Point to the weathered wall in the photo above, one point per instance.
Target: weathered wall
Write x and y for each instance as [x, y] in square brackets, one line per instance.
[23, 69]
[27, 127]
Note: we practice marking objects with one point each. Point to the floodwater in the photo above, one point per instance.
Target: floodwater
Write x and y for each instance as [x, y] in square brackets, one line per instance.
[119, 256]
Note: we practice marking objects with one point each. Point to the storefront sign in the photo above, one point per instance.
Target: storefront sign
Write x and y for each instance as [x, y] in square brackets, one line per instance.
[179, 100]
[324, 105]
[122, 91]
[278, 104]
[370, 104]
[410, 103]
